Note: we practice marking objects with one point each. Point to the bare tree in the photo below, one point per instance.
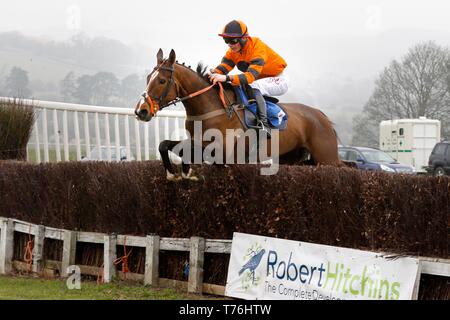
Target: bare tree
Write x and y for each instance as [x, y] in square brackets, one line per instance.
[417, 86]
[130, 88]
[68, 87]
[365, 131]
[84, 92]
[17, 83]
[105, 87]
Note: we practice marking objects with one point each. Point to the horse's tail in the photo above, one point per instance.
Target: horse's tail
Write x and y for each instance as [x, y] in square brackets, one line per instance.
[339, 141]
[326, 117]
[337, 137]
[332, 125]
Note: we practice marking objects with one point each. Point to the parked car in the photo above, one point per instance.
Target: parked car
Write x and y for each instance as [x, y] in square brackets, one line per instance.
[439, 160]
[94, 154]
[373, 159]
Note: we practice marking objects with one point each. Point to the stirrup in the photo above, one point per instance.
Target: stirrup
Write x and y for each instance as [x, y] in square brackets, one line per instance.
[264, 128]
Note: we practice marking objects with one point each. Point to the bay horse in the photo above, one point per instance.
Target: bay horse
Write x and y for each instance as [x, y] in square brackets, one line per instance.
[309, 131]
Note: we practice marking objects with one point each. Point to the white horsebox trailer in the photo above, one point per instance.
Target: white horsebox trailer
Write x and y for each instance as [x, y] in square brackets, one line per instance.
[410, 141]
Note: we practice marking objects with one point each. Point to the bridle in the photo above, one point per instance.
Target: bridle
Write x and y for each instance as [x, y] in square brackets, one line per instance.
[155, 102]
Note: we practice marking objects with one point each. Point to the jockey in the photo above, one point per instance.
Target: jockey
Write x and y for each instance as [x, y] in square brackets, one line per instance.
[261, 66]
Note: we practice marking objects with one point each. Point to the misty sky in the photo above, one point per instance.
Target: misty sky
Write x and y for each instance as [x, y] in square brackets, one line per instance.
[319, 39]
[146, 21]
[335, 49]
[299, 30]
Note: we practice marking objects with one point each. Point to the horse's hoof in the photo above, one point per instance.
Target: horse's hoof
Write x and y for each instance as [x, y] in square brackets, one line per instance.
[172, 177]
[189, 176]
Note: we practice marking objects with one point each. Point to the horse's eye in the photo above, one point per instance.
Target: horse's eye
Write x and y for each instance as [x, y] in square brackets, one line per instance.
[162, 81]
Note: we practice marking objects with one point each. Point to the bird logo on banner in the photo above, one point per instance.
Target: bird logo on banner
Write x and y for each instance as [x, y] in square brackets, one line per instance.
[252, 264]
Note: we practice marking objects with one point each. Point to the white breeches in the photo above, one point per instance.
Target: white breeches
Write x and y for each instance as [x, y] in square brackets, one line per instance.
[272, 86]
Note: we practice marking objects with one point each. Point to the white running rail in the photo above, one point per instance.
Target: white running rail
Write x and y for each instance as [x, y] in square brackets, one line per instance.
[101, 127]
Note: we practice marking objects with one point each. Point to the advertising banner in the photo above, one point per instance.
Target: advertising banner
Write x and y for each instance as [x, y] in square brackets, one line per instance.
[269, 268]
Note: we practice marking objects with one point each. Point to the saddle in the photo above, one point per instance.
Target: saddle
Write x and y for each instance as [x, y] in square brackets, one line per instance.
[276, 115]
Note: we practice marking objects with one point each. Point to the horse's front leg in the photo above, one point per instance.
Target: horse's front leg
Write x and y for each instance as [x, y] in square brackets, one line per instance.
[164, 148]
[190, 153]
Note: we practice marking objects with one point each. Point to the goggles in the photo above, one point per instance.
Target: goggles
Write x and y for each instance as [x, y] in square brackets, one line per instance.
[231, 41]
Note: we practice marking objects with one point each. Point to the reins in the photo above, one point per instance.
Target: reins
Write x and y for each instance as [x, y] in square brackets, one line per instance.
[154, 102]
[200, 92]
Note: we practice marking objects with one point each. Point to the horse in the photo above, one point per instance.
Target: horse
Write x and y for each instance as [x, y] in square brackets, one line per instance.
[309, 131]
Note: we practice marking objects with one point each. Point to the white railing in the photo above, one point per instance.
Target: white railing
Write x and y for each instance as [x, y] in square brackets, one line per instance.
[109, 127]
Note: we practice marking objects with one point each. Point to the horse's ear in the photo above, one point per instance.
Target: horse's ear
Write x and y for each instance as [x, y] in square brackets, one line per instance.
[159, 56]
[172, 57]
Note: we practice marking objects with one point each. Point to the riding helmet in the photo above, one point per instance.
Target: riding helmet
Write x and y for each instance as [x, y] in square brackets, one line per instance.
[234, 29]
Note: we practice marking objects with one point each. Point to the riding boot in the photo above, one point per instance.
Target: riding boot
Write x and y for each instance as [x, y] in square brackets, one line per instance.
[262, 112]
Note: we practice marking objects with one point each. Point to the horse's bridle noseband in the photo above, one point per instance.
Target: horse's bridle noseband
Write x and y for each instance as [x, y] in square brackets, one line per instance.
[155, 107]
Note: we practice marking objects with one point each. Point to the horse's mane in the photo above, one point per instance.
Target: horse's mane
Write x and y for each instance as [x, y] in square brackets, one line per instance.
[202, 72]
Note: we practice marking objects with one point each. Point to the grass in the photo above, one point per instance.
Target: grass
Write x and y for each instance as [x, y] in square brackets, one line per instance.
[28, 288]
[32, 155]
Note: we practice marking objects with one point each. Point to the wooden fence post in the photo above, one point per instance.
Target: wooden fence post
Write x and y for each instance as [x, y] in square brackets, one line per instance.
[109, 255]
[415, 294]
[69, 251]
[6, 245]
[196, 260]
[152, 261]
[38, 249]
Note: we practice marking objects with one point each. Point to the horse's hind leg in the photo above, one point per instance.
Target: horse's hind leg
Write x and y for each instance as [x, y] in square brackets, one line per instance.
[164, 148]
[296, 157]
[325, 151]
